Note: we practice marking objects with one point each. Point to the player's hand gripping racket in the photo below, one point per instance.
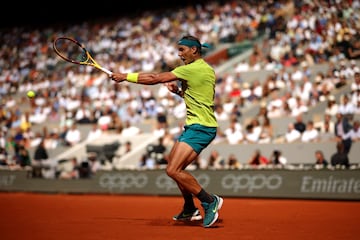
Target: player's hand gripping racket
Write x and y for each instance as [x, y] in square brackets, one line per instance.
[74, 52]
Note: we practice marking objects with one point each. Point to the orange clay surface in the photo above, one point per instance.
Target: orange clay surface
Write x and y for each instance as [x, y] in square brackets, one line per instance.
[106, 217]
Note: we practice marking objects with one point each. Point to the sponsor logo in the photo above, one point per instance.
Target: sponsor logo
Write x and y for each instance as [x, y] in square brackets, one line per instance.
[123, 181]
[330, 184]
[215, 208]
[164, 182]
[251, 183]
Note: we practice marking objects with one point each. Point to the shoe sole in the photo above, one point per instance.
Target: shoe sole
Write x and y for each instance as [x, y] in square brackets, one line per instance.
[193, 218]
[189, 219]
[221, 201]
[196, 218]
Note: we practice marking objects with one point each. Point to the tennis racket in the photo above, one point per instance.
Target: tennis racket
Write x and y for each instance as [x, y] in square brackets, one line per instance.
[73, 51]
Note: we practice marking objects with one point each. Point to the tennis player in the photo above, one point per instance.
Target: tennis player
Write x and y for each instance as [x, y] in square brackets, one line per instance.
[197, 80]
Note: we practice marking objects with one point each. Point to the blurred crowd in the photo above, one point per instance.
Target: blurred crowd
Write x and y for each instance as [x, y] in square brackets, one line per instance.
[298, 35]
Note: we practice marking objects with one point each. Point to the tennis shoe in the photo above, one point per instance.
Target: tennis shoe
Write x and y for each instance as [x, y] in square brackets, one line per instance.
[193, 215]
[211, 211]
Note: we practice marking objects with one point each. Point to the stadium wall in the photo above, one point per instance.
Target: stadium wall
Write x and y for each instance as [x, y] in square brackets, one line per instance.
[295, 153]
[328, 184]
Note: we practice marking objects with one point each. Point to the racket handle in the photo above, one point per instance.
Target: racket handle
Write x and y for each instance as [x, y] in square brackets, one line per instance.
[108, 72]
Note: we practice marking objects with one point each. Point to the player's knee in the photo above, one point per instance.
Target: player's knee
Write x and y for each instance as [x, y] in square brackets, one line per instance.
[171, 172]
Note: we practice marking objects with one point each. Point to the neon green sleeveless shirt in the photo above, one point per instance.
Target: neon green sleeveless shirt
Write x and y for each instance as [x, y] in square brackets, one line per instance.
[198, 83]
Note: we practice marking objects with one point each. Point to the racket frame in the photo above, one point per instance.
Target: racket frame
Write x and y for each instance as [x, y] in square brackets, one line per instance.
[92, 61]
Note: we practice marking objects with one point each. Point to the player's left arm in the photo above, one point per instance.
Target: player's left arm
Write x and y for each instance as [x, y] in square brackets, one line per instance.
[174, 88]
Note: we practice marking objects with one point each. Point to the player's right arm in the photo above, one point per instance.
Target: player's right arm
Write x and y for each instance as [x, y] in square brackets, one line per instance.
[144, 78]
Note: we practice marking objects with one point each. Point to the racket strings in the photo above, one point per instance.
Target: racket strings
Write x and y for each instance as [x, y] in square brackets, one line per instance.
[78, 54]
[72, 51]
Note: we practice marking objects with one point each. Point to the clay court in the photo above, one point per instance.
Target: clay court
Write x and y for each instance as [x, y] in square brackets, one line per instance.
[62, 216]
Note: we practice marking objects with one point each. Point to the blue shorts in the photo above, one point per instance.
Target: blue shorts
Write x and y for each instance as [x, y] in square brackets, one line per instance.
[198, 136]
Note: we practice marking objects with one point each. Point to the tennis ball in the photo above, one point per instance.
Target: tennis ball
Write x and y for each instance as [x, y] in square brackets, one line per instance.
[31, 94]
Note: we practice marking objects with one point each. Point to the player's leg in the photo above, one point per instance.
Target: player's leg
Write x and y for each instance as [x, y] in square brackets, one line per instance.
[193, 141]
[180, 157]
[189, 211]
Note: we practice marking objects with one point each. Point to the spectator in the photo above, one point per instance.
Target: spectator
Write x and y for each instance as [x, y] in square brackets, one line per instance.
[228, 104]
[320, 160]
[176, 131]
[147, 162]
[292, 134]
[310, 134]
[168, 138]
[354, 49]
[24, 159]
[159, 130]
[70, 170]
[115, 124]
[357, 105]
[233, 133]
[355, 85]
[327, 133]
[3, 142]
[105, 119]
[125, 148]
[94, 164]
[197, 163]
[277, 158]
[326, 124]
[332, 107]
[263, 111]
[346, 107]
[256, 127]
[40, 157]
[233, 162]
[19, 141]
[220, 137]
[62, 135]
[340, 157]
[300, 107]
[157, 152]
[73, 136]
[267, 133]
[83, 114]
[354, 70]
[299, 123]
[40, 153]
[130, 130]
[354, 133]
[94, 133]
[257, 159]
[3, 158]
[251, 136]
[220, 113]
[215, 160]
[342, 127]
